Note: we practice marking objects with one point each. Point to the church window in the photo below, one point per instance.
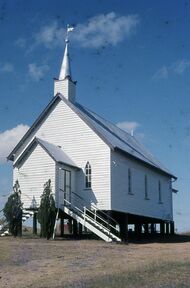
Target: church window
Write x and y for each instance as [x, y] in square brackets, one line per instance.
[88, 176]
[146, 187]
[129, 182]
[159, 192]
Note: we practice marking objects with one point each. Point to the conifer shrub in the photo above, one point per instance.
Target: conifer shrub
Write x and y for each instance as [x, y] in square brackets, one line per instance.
[13, 211]
[47, 211]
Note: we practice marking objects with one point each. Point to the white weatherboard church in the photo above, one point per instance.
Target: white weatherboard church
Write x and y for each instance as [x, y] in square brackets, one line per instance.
[102, 177]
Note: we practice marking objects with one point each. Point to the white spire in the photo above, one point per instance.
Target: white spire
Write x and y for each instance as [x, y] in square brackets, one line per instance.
[64, 84]
[65, 67]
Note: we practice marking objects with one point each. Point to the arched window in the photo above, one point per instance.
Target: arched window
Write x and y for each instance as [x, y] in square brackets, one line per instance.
[88, 176]
[146, 187]
[159, 192]
[129, 182]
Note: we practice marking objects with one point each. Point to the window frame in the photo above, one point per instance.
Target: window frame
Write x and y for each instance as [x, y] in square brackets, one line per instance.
[130, 192]
[146, 187]
[88, 176]
[160, 192]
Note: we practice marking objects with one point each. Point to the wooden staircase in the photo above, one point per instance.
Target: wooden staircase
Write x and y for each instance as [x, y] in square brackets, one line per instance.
[93, 219]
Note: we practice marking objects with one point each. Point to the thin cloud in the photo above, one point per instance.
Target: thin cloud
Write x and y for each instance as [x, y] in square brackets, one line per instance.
[21, 42]
[181, 66]
[37, 72]
[9, 139]
[177, 68]
[162, 73]
[128, 126]
[6, 67]
[50, 36]
[105, 29]
[99, 30]
[131, 127]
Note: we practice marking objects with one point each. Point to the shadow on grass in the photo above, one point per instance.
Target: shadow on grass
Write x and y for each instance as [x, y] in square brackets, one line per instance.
[177, 238]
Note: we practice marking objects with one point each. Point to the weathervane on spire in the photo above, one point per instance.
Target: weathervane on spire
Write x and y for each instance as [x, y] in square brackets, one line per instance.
[69, 29]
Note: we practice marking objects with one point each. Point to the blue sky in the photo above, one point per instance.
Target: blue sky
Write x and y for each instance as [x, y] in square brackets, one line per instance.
[131, 61]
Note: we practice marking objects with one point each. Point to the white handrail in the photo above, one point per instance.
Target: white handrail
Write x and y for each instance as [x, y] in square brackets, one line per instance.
[86, 217]
[94, 206]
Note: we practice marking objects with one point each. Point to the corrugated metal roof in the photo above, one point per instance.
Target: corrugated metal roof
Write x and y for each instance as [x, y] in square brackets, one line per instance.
[121, 139]
[54, 151]
[116, 137]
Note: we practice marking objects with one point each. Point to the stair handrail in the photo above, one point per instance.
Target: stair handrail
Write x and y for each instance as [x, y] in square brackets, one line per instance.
[103, 226]
[95, 207]
[92, 212]
[86, 216]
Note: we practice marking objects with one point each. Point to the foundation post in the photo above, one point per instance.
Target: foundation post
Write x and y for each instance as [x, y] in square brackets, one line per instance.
[35, 223]
[172, 228]
[62, 227]
[162, 228]
[124, 228]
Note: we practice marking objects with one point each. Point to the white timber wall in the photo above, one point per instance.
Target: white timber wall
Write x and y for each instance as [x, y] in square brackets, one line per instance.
[65, 128]
[32, 174]
[66, 87]
[135, 203]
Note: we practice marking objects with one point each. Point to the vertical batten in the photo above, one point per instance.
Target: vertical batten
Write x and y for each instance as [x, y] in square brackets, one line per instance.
[65, 87]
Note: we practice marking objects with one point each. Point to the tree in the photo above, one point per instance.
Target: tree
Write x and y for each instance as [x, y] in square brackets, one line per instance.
[47, 211]
[13, 211]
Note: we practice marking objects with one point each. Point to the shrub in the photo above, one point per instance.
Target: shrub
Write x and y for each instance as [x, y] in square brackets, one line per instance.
[13, 211]
[47, 211]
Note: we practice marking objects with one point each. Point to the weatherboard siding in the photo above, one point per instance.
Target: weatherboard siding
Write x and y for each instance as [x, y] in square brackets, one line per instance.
[32, 174]
[65, 128]
[135, 203]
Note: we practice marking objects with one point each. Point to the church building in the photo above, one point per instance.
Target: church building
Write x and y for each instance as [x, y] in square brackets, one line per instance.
[103, 179]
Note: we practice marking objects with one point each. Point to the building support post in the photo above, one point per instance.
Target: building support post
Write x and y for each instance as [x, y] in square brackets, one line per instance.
[62, 227]
[162, 228]
[75, 228]
[152, 228]
[70, 226]
[138, 230]
[146, 229]
[172, 228]
[167, 228]
[35, 223]
[124, 228]
[80, 229]
[18, 226]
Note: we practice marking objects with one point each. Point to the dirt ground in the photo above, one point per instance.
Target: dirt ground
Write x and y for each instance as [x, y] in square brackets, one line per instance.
[27, 262]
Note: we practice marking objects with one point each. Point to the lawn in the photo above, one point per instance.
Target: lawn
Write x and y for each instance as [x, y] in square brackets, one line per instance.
[33, 262]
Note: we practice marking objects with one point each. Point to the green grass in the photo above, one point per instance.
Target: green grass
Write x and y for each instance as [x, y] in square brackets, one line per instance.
[165, 275]
[37, 263]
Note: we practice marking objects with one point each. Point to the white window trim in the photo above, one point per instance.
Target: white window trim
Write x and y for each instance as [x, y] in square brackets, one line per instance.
[146, 188]
[89, 175]
[129, 188]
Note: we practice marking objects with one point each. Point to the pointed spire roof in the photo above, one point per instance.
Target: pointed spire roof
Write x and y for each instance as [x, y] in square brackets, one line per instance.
[65, 71]
[65, 67]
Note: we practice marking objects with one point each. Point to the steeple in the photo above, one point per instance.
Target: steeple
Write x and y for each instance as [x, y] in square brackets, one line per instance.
[64, 84]
[65, 67]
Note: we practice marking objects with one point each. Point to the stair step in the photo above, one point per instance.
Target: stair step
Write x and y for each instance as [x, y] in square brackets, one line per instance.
[98, 228]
